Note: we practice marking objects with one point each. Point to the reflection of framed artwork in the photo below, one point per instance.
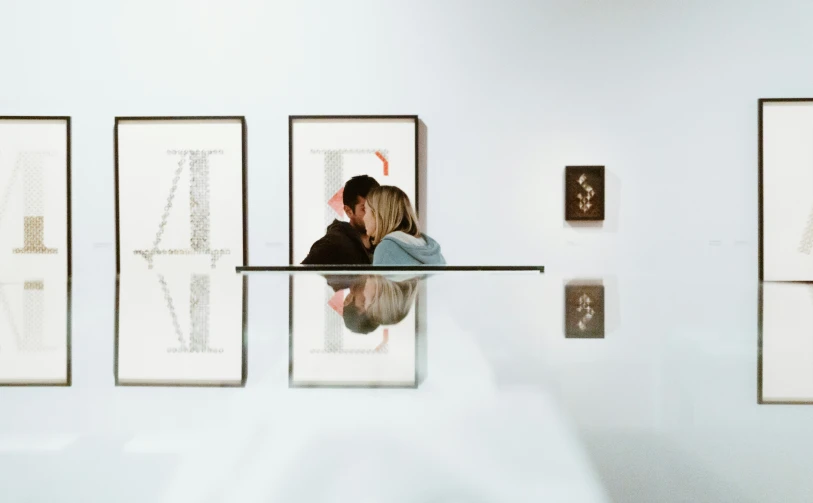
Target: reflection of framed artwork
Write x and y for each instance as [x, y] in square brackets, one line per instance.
[584, 193]
[584, 310]
[353, 332]
[35, 332]
[180, 192]
[35, 251]
[785, 201]
[181, 329]
[326, 151]
[785, 367]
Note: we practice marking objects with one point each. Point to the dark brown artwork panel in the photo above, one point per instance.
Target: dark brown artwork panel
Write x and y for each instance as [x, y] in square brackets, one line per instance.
[584, 193]
[584, 311]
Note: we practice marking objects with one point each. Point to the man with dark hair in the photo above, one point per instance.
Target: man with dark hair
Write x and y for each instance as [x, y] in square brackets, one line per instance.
[358, 321]
[346, 243]
[355, 315]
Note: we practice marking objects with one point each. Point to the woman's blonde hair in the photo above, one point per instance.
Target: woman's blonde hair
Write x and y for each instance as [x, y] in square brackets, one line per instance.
[392, 212]
[392, 300]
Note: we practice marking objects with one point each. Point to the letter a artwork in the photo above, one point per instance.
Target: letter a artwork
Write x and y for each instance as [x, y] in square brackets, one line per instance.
[199, 210]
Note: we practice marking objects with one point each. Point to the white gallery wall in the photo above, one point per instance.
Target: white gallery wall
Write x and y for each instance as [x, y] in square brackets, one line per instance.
[664, 94]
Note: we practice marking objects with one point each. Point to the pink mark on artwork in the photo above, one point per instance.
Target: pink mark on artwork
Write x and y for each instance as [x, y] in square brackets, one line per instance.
[337, 302]
[336, 202]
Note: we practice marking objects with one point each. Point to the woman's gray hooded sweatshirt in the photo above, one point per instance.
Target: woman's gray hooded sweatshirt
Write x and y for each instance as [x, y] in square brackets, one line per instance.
[399, 249]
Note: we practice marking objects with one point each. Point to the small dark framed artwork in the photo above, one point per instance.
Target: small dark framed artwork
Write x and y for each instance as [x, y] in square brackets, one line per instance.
[584, 193]
[584, 310]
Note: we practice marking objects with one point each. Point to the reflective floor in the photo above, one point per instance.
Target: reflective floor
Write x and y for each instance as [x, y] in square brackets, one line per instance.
[479, 387]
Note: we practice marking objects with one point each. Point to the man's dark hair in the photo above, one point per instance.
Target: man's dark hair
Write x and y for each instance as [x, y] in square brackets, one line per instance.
[358, 186]
[358, 321]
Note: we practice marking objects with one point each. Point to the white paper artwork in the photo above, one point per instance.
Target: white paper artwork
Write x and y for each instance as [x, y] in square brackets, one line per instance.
[34, 250]
[362, 333]
[180, 328]
[180, 313]
[787, 178]
[180, 192]
[327, 152]
[787, 343]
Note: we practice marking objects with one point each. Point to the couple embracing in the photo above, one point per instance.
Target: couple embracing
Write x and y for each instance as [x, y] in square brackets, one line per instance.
[383, 230]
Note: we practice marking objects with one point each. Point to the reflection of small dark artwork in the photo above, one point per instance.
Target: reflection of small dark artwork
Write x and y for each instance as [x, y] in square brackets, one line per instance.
[584, 311]
[584, 193]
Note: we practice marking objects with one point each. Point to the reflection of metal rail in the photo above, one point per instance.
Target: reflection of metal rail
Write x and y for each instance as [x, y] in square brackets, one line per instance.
[375, 269]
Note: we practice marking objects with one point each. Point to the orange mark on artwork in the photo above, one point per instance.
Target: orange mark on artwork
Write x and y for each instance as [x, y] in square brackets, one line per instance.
[337, 302]
[386, 163]
[337, 203]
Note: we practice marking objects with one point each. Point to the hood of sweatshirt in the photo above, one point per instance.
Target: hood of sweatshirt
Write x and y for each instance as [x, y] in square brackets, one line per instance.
[423, 249]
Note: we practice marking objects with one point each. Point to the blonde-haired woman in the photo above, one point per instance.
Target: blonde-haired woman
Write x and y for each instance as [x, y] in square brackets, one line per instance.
[393, 227]
[388, 302]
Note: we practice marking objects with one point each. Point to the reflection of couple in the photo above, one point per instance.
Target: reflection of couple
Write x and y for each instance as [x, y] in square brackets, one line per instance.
[374, 301]
[383, 230]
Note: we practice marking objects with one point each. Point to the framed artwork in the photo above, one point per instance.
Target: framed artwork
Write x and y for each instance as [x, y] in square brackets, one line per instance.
[180, 233]
[785, 367]
[326, 151]
[354, 331]
[785, 203]
[180, 192]
[181, 329]
[584, 193]
[35, 199]
[35, 250]
[584, 310]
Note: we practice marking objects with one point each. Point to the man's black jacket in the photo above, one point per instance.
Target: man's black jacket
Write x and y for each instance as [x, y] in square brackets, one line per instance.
[341, 245]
